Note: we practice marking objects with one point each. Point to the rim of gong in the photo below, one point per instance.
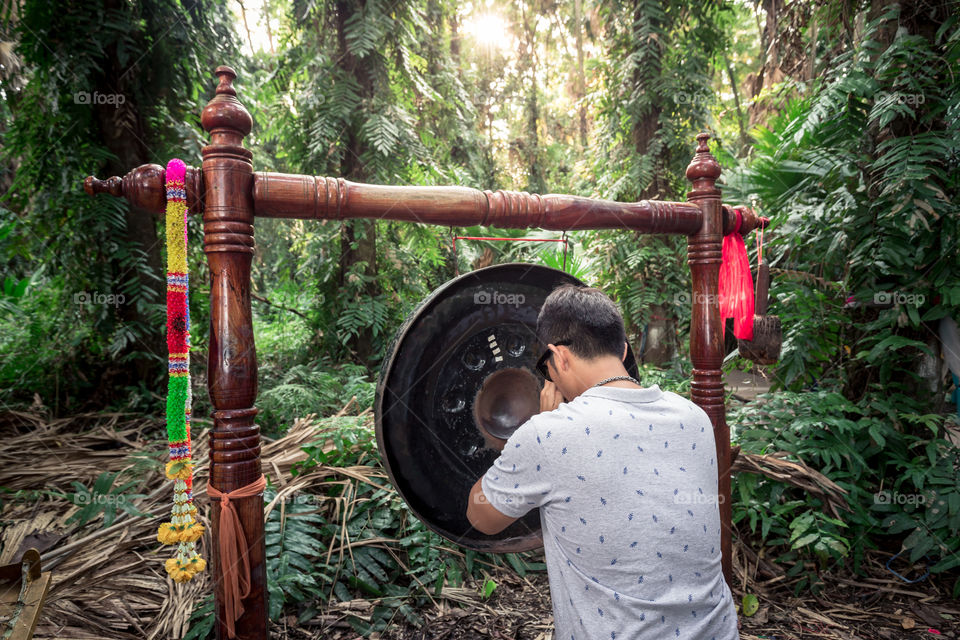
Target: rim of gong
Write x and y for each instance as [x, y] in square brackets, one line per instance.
[502, 545]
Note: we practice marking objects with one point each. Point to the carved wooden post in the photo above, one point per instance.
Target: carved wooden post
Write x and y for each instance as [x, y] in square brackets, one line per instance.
[706, 345]
[232, 370]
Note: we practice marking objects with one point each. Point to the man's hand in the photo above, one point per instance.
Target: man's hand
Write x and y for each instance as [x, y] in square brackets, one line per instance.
[550, 396]
[550, 399]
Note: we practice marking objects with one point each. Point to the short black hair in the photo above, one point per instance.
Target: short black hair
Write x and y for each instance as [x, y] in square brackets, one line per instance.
[585, 316]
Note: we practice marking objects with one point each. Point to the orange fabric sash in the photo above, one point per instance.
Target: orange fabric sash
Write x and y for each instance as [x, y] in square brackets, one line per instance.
[234, 563]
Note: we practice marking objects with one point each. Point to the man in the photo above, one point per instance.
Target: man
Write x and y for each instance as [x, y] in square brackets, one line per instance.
[625, 478]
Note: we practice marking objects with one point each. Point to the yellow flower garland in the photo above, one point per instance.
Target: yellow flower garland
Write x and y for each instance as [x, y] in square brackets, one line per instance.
[182, 530]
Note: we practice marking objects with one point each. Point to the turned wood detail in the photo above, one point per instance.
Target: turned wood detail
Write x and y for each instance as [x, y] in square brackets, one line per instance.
[706, 344]
[232, 368]
[145, 187]
[280, 195]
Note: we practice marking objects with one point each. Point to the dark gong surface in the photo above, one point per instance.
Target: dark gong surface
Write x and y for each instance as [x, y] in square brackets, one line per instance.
[461, 371]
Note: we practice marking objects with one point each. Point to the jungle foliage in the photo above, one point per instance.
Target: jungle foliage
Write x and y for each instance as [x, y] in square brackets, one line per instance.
[859, 171]
[840, 120]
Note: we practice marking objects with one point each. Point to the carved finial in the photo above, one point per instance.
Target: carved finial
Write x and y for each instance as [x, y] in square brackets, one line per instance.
[702, 139]
[94, 185]
[703, 166]
[227, 75]
[224, 117]
[144, 187]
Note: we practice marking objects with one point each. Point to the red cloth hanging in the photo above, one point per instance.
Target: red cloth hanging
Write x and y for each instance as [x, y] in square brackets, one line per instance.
[736, 284]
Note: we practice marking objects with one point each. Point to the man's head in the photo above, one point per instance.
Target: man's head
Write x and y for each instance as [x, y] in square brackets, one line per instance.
[590, 325]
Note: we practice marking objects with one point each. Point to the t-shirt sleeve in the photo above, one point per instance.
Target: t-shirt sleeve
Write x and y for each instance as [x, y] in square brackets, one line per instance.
[518, 481]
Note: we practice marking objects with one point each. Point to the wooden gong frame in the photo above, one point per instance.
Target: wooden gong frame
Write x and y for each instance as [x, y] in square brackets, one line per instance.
[228, 193]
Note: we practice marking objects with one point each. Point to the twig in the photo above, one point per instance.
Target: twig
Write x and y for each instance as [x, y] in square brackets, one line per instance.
[802, 275]
[278, 306]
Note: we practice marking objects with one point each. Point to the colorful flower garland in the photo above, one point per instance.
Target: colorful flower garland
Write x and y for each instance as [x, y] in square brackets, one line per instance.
[182, 530]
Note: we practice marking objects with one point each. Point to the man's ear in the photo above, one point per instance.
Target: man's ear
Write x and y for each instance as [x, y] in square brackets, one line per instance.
[624, 356]
[557, 357]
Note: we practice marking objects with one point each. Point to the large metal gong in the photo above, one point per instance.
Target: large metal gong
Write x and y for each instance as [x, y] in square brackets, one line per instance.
[459, 374]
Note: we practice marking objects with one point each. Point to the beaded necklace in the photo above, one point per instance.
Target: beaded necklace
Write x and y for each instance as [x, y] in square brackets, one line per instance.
[182, 530]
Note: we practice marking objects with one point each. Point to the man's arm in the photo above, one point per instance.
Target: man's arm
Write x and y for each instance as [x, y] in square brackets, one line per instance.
[485, 517]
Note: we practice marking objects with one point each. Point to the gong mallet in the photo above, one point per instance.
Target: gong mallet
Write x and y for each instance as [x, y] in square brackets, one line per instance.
[767, 334]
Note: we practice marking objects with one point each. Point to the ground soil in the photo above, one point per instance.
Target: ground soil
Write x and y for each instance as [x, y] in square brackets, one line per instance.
[876, 606]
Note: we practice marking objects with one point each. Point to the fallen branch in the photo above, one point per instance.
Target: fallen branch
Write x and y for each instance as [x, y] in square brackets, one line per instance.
[797, 474]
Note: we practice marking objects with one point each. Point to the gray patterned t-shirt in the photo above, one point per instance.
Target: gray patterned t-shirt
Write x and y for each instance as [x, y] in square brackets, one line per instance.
[626, 483]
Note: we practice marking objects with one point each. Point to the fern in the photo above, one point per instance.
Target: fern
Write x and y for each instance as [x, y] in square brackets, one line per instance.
[104, 498]
[860, 177]
[317, 388]
[294, 541]
[201, 619]
[381, 132]
[573, 263]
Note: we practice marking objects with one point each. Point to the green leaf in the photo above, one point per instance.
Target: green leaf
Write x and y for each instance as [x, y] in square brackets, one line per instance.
[514, 560]
[805, 540]
[488, 588]
[438, 584]
[893, 343]
[470, 554]
[947, 563]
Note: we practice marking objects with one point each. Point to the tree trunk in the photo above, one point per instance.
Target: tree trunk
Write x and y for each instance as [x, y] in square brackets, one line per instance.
[581, 83]
[266, 18]
[358, 238]
[535, 181]
[123, 133]
[770, 72]
[646, 127]
[243, 13]
[744, 140]
[660, 344]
